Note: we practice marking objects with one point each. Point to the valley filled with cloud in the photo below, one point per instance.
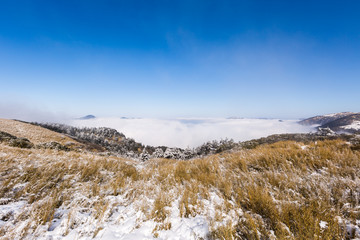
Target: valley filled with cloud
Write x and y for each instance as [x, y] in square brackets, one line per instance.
[193, 132]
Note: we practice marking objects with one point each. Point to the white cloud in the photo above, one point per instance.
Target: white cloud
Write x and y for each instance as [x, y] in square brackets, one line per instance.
[194, 132]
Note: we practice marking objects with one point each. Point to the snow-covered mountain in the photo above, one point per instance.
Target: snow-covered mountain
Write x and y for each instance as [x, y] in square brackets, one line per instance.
[338, 122]
[324, 119]
[350, 123]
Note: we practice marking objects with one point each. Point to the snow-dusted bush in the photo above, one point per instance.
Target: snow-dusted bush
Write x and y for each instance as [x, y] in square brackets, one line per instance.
[118, 143]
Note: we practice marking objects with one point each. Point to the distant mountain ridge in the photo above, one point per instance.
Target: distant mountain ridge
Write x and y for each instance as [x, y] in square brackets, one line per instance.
[109, 141]
[350, 123]
[338, 122]
[324, 119]
[87, 117]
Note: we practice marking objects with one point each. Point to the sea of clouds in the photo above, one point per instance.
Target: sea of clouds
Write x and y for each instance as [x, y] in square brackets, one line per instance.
[193, 132]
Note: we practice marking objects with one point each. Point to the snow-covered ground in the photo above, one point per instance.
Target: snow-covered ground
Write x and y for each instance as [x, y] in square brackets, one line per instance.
[122, 219]
[50, 194]
[355, 125]
[123, 222]
[194, 132]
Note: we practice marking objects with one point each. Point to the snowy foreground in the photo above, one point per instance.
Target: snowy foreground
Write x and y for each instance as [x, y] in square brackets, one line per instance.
[123, 221]
[286, 190]
[89, 214]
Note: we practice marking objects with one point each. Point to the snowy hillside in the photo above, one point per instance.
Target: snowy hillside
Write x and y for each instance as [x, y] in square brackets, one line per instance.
[339, 122]
[285, 190]
[324, 119]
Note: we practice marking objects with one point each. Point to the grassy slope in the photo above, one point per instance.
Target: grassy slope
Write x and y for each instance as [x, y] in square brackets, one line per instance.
[35, 134]
[283, 190]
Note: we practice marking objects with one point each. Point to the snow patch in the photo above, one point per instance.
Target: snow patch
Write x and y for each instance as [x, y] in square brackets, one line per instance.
[323, 224]
[9, 210]
[354, 125]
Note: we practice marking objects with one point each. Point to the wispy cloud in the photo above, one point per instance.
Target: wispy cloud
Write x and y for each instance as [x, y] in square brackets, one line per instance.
[194, 132]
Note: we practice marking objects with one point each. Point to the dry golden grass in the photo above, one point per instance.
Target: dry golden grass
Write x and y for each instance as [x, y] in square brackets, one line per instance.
[159, 212]
[34, 133]
[277, 191]
[48, 179]
[281, 187]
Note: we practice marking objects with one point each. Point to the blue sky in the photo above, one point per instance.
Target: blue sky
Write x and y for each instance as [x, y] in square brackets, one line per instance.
[285, 59]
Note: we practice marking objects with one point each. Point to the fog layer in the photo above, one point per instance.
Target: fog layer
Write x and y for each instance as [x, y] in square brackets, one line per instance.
[193, 132]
